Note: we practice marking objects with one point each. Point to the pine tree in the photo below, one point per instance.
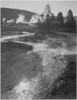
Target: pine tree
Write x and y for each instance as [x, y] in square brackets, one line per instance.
[60, 18]
[70, 22]
[69, 15]
[49, 20]
[47, 11]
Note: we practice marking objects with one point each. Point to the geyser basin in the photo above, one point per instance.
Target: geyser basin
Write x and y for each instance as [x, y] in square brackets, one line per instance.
[34, 74]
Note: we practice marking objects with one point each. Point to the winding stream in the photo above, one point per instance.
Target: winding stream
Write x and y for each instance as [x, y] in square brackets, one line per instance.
[53, 65]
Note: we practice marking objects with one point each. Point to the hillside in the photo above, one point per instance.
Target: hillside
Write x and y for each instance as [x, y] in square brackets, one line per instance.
[13, 13]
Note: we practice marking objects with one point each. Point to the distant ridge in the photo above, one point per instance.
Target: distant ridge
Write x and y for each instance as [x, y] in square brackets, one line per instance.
[10, 13]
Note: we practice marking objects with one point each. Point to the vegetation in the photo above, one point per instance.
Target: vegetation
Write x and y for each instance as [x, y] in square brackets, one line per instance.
[20, 60]
[58, 23]
[50, 22]
[60, 20]
[9, 13]
[70, 23]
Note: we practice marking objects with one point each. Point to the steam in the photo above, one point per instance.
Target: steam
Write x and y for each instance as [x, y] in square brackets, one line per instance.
[4, 20]
[10, 21]
[36, 18]
[53, 66]
[21, 19]
[25, 89]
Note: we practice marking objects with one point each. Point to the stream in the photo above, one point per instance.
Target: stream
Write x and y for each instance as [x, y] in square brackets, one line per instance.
[52, 63]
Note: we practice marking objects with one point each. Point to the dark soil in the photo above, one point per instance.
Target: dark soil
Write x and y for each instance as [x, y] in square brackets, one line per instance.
[67, 90]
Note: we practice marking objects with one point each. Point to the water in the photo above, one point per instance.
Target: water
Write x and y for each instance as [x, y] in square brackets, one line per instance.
[53, 65]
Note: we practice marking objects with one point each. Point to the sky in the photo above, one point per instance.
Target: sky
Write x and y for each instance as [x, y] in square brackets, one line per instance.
[38, 6]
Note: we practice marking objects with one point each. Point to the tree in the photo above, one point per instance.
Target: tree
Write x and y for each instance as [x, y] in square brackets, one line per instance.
[49, 20]
[69, 16]
[60, 20]
[53, 22]
[70, 22]
[47, 11]
[48, 23]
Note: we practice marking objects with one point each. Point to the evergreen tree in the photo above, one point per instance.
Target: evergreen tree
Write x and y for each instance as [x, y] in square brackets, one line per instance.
[53, 22]
[47, 11]
[48, 24]
[60, 20]
[69, 16]
[47, 18]
[70, 22]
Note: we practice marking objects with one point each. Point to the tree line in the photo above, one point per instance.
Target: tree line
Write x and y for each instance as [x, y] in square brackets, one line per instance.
[54, 23]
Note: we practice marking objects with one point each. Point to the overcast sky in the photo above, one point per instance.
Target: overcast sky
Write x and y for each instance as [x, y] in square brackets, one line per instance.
[38, 6]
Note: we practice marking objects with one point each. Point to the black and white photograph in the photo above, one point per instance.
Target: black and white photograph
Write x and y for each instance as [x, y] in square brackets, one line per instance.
[38, 49]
